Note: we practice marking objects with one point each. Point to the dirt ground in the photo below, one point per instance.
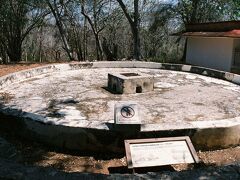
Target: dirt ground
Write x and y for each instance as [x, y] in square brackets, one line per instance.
[33, 153]
[6, 69]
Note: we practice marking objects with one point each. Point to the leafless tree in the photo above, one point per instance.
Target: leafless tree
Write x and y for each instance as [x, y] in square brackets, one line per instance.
[135, 25]
[57, 8]
[95, 20]
[102, 29]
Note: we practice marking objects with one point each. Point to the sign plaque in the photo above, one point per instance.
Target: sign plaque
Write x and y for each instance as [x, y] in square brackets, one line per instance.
[126, 113]
[160, 152]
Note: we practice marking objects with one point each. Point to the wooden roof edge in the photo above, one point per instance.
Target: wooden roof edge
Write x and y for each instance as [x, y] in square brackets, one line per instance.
[222, 26]
[231, 34]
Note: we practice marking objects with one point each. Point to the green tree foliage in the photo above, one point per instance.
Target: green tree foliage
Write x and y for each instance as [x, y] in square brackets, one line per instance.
[17, 19]
[197, 11]
[235, 6]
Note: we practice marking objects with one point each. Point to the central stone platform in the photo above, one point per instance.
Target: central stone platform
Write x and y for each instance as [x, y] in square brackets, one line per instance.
[130, 83]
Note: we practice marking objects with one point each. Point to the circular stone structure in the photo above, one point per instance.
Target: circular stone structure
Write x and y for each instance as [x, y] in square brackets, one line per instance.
[69, 105]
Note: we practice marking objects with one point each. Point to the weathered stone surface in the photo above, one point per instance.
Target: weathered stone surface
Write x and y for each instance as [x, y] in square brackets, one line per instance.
[216, 137]
[130, 83]
[76, 98]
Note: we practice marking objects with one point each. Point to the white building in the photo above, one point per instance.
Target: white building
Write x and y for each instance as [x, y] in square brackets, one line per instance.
[214, 45]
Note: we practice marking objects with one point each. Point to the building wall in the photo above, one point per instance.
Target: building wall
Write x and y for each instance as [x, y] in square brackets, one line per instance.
[216, 53]
[236, 53]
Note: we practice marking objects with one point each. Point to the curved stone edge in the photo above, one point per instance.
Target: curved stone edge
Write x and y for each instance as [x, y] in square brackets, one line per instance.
[204, 134]
[22, 75]
[99, 140]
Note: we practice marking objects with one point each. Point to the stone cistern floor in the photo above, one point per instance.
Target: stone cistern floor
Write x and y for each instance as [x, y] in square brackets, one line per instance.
[77, 97]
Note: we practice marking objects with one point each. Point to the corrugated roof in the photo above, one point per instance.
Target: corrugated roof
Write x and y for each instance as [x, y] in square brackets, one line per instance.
[213, 29]
[233, 34]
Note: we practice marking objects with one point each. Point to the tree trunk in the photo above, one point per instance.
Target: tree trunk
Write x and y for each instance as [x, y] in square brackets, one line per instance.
[40, 45]
[193, 17]
[136, 44]
[61, 30]
[85, 39]
[3, 54]
[15, 51]
[93, 25]
[98, 48]
[111, 55]
[135, 26]
[79, 49]
[77, 44]
[135, 30]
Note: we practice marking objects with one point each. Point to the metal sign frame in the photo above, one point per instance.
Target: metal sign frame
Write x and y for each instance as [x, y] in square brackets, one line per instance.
[189, 144]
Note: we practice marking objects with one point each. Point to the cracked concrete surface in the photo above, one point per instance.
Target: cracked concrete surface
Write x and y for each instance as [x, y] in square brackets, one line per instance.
[77, 97]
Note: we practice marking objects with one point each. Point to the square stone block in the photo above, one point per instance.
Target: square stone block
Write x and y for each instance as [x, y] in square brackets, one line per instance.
[130, 83]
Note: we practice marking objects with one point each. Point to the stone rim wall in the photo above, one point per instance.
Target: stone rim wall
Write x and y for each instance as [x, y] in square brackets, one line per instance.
[16, 77]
